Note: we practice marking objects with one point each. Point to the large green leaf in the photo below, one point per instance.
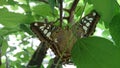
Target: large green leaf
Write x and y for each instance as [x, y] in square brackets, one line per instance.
[115, 29]
[107, 9]
[44, 10]
[95, 52]
[11, 19]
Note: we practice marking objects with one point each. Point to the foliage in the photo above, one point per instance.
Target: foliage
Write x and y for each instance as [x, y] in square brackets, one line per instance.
[103, 54]
[91, 52]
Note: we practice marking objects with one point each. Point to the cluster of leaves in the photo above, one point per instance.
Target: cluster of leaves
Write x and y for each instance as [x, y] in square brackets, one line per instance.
[94, 52]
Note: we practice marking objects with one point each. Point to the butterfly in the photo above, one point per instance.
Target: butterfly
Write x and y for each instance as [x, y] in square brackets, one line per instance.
[62, 40]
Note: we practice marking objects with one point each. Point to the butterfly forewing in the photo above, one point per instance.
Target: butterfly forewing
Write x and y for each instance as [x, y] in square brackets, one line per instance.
[47, 33]
[89, 22]
[42, 30]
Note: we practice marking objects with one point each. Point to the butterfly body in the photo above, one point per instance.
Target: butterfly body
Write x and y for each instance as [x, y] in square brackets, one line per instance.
[65, 40]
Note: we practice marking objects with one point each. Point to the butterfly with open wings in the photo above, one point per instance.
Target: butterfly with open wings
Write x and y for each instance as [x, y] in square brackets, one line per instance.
[62, 40]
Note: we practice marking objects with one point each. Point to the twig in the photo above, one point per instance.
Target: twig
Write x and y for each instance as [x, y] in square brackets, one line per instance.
[71, 11]
[61, 12]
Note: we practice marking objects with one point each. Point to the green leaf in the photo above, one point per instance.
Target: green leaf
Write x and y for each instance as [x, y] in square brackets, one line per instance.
[2, 2]
[41, 66]
[115, 29]
[25, 42]
[106, 8]
[14, 7]
[105, 33]
[3, 65]
[50, 63]
[1, 40]
[19, 54]
[12, 2]
[4, 46]
[52, 4]
[44, 10]
[14, 64]
[6, 31]
[26, 29]
[79, 10]
[95, 52]
[11, 19]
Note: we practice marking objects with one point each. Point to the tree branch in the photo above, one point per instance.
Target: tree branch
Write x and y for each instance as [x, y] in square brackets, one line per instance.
[61, 12]
[38, 56]
[71, 11]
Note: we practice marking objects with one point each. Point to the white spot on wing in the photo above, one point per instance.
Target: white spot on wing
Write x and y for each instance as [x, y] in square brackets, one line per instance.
[90, 19]
[86, 17]
[45, 31]
[48, 27]
[55, 40]
[48, 34]
[42, 27]
[36, 24]
[94, 14]
[85, 28]
[84, 21]
[87, 24]
[45, 25]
